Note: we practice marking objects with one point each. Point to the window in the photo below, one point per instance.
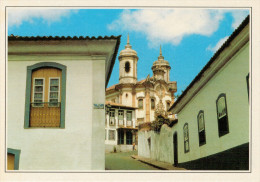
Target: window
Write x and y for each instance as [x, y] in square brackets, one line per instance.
[140, 104]
[152, 104]
[201, 128]
[129, 116]
[111, 135]
[13, 158]
[38, 93]
[186, 138]
[129, 138]
[222, 115]
[120, 114]
[120, 137]
[45, 95]
[54, 92]
[120, 117]
[127, 67]
[112, 117]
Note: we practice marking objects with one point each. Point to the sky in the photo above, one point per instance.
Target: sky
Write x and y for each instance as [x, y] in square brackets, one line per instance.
[189, 37]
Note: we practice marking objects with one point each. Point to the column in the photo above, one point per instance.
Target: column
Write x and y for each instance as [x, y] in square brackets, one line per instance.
[125, 118]
[133, 118]
[124, 136]
[147, 103]
[116, 118]
[133, 97]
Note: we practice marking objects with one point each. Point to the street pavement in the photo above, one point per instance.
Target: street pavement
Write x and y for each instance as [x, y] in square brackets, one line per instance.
[124, 161]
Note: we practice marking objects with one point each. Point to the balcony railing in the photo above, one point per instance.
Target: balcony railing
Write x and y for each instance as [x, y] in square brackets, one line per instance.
[128, 123]
[111, 121]
[45, 114]
[121, 122]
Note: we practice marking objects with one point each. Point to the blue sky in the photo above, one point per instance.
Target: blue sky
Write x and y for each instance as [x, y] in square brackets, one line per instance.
[189, 37]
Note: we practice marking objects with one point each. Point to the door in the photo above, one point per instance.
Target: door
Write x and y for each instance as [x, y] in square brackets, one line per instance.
[10, 161]
[175, 148]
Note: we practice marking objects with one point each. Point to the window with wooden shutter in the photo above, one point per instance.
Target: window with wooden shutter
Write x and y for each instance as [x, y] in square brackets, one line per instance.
[45, 99]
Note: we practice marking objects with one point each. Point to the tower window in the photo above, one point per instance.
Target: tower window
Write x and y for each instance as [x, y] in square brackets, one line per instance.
[127, 67]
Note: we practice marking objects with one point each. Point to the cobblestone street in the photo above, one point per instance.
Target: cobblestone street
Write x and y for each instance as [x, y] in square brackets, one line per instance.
[124, 161]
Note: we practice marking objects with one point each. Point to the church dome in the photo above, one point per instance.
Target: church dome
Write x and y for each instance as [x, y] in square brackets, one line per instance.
[160, 61]
[128, 51]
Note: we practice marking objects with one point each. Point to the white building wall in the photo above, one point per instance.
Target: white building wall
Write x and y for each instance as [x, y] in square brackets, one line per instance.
[60, 149]
[231, 80]
[127, 98]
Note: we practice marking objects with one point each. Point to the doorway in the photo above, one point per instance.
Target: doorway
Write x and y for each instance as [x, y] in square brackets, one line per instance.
[175, 148]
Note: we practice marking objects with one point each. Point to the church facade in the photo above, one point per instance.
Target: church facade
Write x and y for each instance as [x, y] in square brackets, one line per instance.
[151, 96]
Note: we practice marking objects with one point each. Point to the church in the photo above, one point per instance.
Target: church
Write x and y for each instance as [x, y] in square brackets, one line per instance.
[151, 97]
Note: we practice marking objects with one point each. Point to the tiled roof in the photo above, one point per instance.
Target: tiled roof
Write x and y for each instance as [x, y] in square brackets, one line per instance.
[141, 81]
[207, 66]
[14, 37]
[119, 105]
[112, 87]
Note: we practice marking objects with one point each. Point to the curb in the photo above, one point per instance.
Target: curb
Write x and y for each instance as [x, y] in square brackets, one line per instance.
[151, 163]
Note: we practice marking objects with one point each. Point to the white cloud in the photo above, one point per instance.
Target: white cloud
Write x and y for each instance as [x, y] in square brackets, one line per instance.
[171, 25]
[218, 45]
[17, 16]
[238, 17]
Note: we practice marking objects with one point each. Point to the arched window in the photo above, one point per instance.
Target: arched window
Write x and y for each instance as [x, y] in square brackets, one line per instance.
[222, 115]
[140, 103]
[45, 95]
[127, 67]
[201, 128]
[152, 104]
[186, 138]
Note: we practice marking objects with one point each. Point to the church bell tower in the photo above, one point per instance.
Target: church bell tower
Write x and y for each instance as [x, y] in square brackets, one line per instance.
[128, 64]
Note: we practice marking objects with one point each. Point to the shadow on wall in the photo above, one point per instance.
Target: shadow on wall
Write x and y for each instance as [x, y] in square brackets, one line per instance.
[233, 159]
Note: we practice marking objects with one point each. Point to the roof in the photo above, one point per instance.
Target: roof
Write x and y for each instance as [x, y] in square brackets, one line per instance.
[30, 38]
[112, 87]
[215, 56]
[109, 103]
[75, 38]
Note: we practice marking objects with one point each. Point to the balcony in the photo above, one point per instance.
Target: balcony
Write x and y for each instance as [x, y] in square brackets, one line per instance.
[120, 122]
[128, 123]
[45, 114]
[112, 121]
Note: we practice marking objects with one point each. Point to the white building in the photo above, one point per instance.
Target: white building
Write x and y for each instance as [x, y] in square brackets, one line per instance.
[121, 131]
[152, 96]
[55, 101]
[212, 130]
